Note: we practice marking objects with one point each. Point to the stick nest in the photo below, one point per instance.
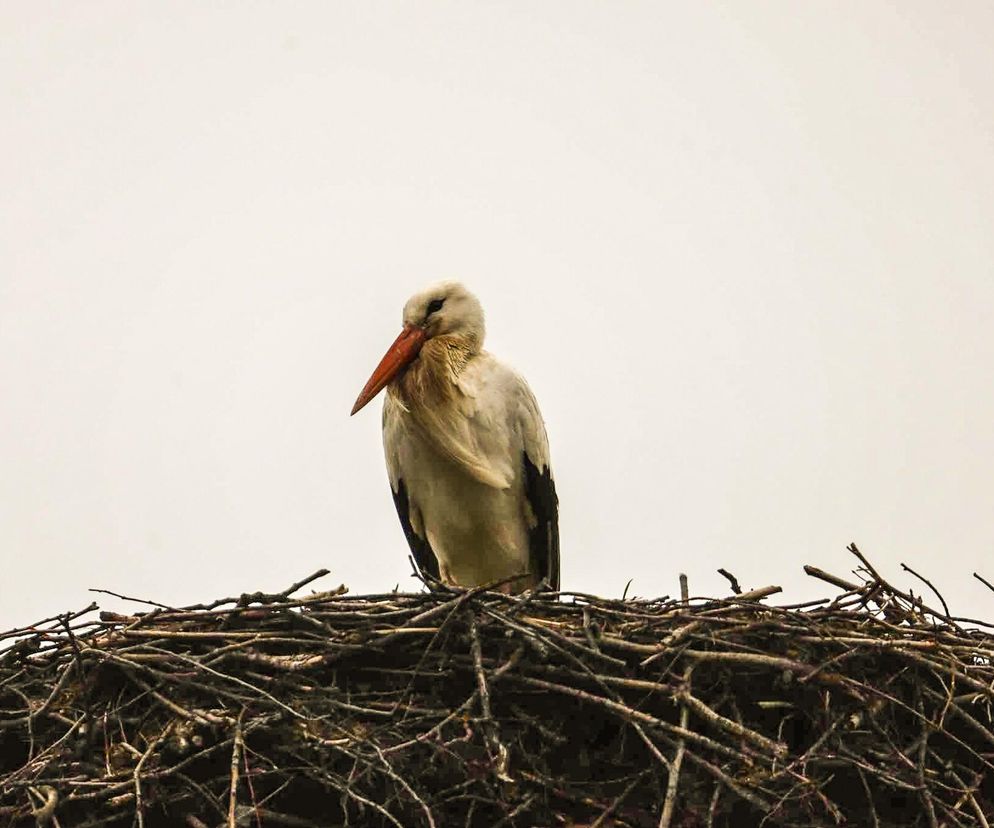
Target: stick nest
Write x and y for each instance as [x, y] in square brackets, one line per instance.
[476, 708]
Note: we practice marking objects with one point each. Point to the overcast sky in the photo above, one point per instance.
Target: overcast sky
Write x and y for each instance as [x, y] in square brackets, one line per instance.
[743, 253]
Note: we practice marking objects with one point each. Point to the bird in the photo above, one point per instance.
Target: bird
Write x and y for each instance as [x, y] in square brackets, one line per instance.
[466, 451]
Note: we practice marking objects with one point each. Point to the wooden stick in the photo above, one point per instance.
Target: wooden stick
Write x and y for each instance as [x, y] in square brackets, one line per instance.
[236, 757]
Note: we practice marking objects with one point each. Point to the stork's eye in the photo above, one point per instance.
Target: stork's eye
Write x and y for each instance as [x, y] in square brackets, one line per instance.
[434, 305]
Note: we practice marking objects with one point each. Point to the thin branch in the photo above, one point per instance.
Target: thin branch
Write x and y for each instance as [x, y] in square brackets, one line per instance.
[945, 606]
[236, 755]
[984, 581]
[732, 580]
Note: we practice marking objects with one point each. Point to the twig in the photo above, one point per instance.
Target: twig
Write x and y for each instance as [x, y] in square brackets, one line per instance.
[984, 581]
[673, 780]
[49, 797]
[137, 773]
[484, 693]
[236, 755]
[713, 807]
[945, 606]
[133, 600]
[737, 729]
[732, 580]
[821, 575]
[895, 592]
[606, 814]
[926, 794]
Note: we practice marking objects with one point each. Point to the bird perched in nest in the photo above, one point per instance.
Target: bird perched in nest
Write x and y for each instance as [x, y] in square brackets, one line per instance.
[466, 450]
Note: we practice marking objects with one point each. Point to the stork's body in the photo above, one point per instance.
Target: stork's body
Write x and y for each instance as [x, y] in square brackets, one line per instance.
[466, 450]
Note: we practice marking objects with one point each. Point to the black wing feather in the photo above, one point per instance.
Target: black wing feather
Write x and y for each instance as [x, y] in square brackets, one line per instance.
[424, 555]
[543, 539]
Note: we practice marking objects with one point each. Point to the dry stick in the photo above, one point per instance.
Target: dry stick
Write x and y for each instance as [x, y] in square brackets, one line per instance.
[968, 794]
[190, 715]
[730, 725]
[952, 814]
[13, 677]
[676, 635]
[133, 600]
[236, 753]
[531, 634]
[827, 803]
[50, 799]
[752, 595]
[714, 806]
[347, 791]
[204, 794]
[962, 792]
[828, 577]
[137, 773]
[631, 714]
[959, 711]
[674, 776]
[78, 660]
[926, 721]
[509, 819]
[665, 647]
[452, 605]
[869, 796]
[984, 688]
[588, 629]
[17, 691]
[12, 776]
[915, 602]
[404, 784]
[19, 632]
[455, 605]
[610, 809]
[489, 725]
[775, 662]
[926, 794]
[247, 598]
[5, 723]
[984, 581]
[938, 595]
[279, 595]
[192, 661]
[753, 799]
[435, 729]
[732, 580]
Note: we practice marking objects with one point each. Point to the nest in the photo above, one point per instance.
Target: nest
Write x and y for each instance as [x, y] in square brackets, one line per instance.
[476, 708]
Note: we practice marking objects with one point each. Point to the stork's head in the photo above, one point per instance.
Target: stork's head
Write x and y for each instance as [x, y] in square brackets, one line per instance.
[445, 309]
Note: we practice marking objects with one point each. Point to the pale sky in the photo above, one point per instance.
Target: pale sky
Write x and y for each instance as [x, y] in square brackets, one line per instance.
[743, 252]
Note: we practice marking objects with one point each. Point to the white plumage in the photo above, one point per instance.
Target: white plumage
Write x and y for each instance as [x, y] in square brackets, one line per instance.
[466, 450]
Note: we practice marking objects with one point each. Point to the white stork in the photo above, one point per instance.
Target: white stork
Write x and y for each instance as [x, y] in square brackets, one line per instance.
[466, 450]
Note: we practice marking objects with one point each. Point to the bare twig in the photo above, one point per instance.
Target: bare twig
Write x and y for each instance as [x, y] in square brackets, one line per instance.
[236, 755]
[484, 694]
[732, 580]
[137, 773]
[984, 581]
[945, 606]
[673, 780]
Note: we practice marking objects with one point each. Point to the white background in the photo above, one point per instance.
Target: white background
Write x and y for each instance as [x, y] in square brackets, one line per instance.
[743, 253]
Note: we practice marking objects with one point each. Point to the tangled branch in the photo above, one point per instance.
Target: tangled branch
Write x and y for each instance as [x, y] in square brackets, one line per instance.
[451, 708]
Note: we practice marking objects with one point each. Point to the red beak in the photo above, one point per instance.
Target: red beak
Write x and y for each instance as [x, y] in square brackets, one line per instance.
[398, 356]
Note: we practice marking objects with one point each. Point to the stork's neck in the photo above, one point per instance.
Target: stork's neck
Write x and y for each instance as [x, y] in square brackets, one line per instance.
[430, 380]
